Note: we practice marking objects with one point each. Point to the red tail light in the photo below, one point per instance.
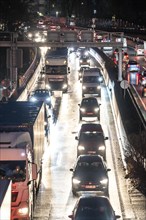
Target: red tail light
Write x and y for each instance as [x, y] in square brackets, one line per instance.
[14, 196]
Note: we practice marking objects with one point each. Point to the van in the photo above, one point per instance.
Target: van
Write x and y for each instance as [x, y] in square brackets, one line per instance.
[91, 81]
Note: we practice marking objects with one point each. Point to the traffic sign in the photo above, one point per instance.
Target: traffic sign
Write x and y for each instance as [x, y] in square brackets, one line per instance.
[124, 84]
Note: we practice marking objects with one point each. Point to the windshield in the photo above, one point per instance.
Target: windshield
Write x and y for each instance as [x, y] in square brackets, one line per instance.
[56, 70]
[91, 79]
[92, 210]
[93, 136]
[13, 170]
[89, 167]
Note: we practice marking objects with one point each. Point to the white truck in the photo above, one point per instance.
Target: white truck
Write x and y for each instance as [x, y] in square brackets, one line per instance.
[21, 152]
[57, 70]
[91, 81]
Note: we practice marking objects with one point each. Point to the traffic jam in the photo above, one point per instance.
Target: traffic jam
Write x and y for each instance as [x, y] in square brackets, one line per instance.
[70, 178]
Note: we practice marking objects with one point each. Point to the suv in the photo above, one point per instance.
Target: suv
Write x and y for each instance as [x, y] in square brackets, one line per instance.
[90, 175]
[89, 107]
[43, 95]
[132, 65]
[91, 140]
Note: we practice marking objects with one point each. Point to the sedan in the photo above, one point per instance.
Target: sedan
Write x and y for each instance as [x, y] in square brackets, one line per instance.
[91, 140]
[90, 175]
[89, 107]
[41, 95]
[93, 208]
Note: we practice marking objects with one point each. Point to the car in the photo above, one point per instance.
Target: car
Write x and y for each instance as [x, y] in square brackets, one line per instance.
[41, 95]
[89, 107]
[93, 208]
[133, 77]
[143, 78]
[90, 175]
[91, 140]
[84, 61]
[132, 65]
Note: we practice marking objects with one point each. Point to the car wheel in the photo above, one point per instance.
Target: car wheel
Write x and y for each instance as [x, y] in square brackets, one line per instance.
[80, 117]
[99, 94]
[106, 193]
[98, 116]
[74, 192]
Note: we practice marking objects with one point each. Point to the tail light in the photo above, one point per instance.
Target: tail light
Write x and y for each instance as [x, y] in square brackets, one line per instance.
[14, 196]
[137, 78]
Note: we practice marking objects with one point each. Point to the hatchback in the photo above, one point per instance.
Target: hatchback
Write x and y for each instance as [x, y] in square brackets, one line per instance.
[93, 208]
[89, 107]
[90, 175]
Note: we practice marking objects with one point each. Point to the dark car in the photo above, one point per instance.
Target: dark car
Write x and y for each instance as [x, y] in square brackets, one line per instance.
[133, 65]
[91, 140]
[90, 175]
[89, 107]
[41, 95]
[93, 208]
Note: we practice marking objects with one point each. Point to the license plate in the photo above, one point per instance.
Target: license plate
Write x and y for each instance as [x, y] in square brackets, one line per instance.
[91, 152]
[89, 113]
[90, 187]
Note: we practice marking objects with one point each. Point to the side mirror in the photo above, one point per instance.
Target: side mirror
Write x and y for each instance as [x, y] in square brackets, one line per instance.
[71, 169]
[76, 138]
[106, 138]
[108, 169]
[70, 216]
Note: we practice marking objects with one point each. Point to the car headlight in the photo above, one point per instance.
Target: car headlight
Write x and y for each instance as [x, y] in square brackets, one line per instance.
[76, 181]
[84, 87]
[48, 99]
[33, 99]
[81, 61]
[102, 148]
[98, 87]
[100, 79]
[80, 147]
[88, 61]
[23, 211]
[82, 109]
[64, 86]
[104, 181]
[96, 109]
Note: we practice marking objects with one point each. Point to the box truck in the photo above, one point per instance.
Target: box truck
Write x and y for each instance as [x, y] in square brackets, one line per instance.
[21, 152]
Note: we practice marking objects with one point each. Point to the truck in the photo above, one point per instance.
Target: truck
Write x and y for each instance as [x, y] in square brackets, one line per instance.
[91, 80]
[57, 69]
[21, 153]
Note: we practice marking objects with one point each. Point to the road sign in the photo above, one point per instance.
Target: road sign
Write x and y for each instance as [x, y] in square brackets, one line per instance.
[124, 84]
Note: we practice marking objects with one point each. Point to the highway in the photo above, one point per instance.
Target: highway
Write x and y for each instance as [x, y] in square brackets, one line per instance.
[55, 199]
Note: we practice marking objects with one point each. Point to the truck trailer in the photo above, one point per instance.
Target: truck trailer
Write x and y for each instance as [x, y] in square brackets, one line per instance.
[21, 153]
[56, 69]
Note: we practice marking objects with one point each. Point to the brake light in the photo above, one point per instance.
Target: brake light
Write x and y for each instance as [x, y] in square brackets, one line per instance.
[137, 78]
[14, 196]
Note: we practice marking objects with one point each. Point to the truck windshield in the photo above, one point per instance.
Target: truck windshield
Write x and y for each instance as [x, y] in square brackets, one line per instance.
[13, 170]
[91, 79]
[56, 70]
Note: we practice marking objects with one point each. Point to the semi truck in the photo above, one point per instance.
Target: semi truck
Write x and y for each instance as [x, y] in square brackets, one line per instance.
[21, 153]
[57, 69]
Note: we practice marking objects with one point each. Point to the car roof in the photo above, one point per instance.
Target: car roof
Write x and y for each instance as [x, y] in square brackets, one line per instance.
[132, 62]
[91, 127]
[90, 158]
[93, 197]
